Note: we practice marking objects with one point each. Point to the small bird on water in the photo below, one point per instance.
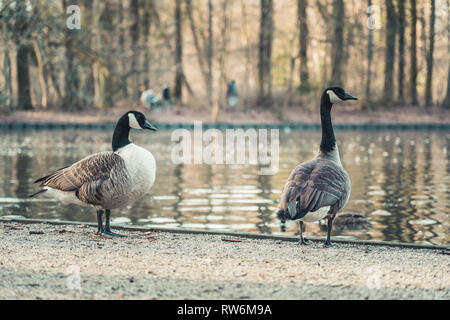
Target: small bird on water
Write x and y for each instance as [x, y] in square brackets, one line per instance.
[106, 180]
[318, 188]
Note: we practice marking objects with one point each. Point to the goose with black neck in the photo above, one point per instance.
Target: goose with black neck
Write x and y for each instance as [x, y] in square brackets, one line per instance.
[106, 180]
[318, 188]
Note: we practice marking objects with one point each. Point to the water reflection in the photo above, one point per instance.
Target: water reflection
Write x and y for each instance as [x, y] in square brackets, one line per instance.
[400, 181]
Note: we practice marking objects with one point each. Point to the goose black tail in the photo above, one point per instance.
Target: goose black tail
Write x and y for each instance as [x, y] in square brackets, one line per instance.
[282, 215]
[36, 193]
[292, 212]
[41, 179]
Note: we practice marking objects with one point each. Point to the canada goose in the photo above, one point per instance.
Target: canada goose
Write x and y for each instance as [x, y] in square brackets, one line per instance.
[321, 187]
[106, 180]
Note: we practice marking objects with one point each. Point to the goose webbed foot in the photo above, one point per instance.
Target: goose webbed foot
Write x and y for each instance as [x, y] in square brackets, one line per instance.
[304, 242]
[113, 234]
[108, 231]
[328, 244]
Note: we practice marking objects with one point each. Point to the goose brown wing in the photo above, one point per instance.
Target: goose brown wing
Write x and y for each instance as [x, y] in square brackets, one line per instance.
[315, 184]
[89, 177]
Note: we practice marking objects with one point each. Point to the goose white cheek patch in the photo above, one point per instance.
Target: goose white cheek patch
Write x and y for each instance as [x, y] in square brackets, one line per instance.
[333, 97]
[133, 122]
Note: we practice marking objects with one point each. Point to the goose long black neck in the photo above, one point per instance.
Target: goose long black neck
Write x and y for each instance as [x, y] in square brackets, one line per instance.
[121, 133]
[328, 142]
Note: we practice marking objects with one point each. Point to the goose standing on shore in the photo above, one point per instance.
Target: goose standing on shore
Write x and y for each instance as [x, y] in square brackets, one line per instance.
[319, 188]
[106, 180]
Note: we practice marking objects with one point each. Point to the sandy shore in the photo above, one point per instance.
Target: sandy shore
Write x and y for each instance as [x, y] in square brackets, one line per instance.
[40, 261]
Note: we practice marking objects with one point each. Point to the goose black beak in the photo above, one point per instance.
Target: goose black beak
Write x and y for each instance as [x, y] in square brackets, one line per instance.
[348, 96]
[149, 126]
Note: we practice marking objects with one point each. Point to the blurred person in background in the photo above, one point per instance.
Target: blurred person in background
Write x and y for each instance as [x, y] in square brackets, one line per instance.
[232, 97]
[149, 99]
[166, 97]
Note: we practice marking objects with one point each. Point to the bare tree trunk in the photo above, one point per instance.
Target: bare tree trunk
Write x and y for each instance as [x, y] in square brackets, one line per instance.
[71, 79]
[401, 50]
[124, 82]
[413, 55]
[198, 46]
[134, 33]
[6, 69]
[103, 66]
[265, 53]
[429, 80]
[108, 26]
[223, 54]
[446, 102]
[213, 102]
[246, 41]
[391, 31]
[95, 44]
[280, 112]
[86, 70]
[369, 58]
[214, 99]
[42, 82]
[23, 51]
[303, 43]
[146, 25]
[179, 75]
[23, 78]
[337, 43]
[51, 71]
[210, 53]
[423, 33]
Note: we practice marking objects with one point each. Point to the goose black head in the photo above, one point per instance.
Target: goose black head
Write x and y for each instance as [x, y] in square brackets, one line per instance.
[337, 95]
[137, 120]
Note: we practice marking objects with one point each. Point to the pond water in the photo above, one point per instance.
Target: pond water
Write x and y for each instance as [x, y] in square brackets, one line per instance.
[400, 182]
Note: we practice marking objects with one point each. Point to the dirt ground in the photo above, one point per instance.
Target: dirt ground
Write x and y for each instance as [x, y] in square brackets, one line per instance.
[340, 114]
[42, 261]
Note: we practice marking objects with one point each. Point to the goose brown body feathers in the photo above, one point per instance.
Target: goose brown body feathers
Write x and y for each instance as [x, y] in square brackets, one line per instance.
[315, 184]
[96, 179]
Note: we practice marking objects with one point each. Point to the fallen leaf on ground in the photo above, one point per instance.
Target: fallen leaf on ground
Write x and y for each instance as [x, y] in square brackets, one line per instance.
[14, 227]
